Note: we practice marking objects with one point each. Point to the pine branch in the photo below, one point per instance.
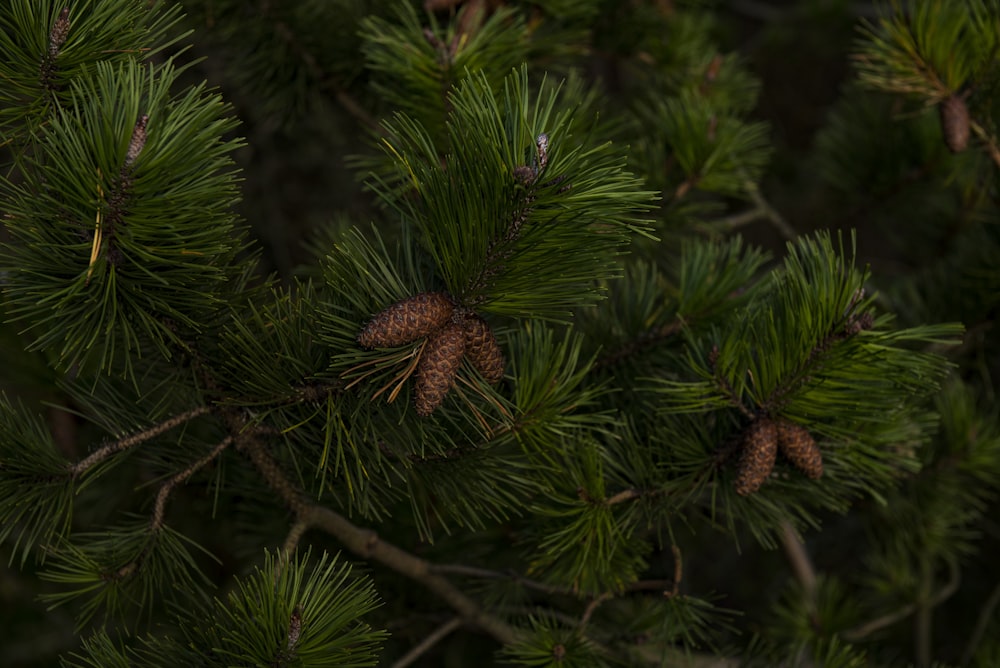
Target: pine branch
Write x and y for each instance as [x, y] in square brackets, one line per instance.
[102, 453]
[367, 544]
[427, 643]
[933, 600]
[156, 524]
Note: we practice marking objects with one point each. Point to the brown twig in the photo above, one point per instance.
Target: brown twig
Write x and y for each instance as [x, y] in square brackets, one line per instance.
[623, 496]
[295, 534]
[588, 612]
[485, 573]
[801, 564]
[982, 623]
[776, 219]
[166, 488]
[366, 543]
[879, 623]
[434, 638]
[133, 440]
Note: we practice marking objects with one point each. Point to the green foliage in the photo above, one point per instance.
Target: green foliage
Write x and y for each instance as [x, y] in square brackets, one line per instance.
[930, 48]
[715, 151]
[571, 205]
[552, 645]
[158, 229]
[302, 615]
[415, 68]
[35, 73]
[281, 54]
[582, 509]
[122, 574]
[36, 489]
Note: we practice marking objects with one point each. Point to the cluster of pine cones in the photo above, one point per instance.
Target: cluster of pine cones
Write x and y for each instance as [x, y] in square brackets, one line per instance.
[452, 333]
[761, 442]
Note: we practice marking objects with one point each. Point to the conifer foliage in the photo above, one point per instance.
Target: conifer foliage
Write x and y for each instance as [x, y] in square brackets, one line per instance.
[529, 398]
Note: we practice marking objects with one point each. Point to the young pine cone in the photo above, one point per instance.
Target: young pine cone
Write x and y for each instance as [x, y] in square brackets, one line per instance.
[483, 350]
[955, 123]
[407, 320]
[796, 443]
[760, 448]
[437, 367]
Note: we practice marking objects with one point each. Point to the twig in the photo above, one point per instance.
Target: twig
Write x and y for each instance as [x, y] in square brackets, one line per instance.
[769, 212]
[294, 536]
[734, 221]
[800, 562]
[367, 544]
[439, 634]
[588, 612]
[476, 572]
[106, 451]
[622, 497]
[923, 619]
[982, 623]
[862, 630]
[991, 144]
[678, 570]
[161, 498]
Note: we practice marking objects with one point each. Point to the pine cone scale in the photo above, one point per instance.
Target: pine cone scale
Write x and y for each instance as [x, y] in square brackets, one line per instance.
[437, 368]
[482, 349]
[796, 443]
[760, 449]
[407, 320]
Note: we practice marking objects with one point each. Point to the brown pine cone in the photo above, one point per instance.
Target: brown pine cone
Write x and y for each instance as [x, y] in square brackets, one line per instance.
[437, 367]
[760, 448]
[955, 123]
[482, 349]
[407, 320]
[798, 445]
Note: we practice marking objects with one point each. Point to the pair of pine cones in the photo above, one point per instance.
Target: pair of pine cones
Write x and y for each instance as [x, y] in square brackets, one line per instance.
[453, 333]
[762, 440]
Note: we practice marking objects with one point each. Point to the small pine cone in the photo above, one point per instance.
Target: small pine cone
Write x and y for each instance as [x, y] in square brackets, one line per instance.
[760, 448]
[407, 320]
[955, 123]
[437, 367]
[798, 445]
[483, 350]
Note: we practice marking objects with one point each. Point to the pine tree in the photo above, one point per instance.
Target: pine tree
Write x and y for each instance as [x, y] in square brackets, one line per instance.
[393, 333]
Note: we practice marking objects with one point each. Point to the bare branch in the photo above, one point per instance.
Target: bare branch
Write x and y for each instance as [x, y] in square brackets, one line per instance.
[161, 498]
[434, 638]
[133, 440]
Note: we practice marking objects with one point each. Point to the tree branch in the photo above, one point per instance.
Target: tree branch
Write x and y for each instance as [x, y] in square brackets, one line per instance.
[982, 623]
[161, 498]
[800, 562]
[863, 630]
[367, 544]
[439, 634]
[133, 440]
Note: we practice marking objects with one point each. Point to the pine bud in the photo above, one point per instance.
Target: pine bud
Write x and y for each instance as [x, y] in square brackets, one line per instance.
[483, 350]
[137, 142]
[59, 32]
[542, 145]
[798, 445]
[955, 123]
[407, 320]
[760, 448]
[437, 367]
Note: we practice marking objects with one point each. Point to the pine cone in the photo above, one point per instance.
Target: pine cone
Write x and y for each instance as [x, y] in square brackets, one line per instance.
[483, 350]
[955, 123]
[407, 320]
[760, 448]
[437, 367]
[798, 445]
